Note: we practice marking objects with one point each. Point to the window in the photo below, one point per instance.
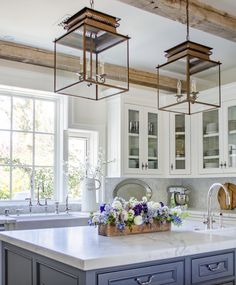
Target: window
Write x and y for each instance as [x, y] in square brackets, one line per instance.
[82, 147]
[27, 146]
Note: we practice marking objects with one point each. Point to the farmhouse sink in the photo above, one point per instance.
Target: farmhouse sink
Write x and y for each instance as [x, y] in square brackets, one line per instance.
[49, 220]
[48, 216]
[196, 224]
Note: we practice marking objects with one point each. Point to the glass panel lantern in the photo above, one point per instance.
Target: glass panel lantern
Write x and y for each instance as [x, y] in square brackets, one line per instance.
[91, 59]
[197, 87]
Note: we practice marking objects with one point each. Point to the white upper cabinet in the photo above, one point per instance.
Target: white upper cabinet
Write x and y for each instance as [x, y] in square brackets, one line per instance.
[145, 141]
[229, 136]
[141, 145]
[179, 144]
[217, 144]
[211, 148]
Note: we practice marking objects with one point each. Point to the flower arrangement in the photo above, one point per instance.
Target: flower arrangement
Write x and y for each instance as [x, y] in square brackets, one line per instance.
[123, 214]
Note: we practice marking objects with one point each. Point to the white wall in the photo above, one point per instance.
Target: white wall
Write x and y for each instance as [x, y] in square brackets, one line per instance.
[41, 78]
[26, 75]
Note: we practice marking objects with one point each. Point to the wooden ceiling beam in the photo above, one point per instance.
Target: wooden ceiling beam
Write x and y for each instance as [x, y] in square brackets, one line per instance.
[202, 17]
[45, 58]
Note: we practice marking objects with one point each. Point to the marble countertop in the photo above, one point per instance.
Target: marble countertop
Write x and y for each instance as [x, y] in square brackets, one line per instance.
[83, 248]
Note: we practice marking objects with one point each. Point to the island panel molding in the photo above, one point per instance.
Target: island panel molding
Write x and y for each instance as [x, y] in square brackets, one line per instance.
[202, 17]
[205, 269]
[45, 58]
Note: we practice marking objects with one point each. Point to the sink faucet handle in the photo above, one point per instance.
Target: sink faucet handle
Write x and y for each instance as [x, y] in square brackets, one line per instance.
[6, 212]
[67, 205]
[57, 207]
[46, 201]
[30, 201]
[18, 211]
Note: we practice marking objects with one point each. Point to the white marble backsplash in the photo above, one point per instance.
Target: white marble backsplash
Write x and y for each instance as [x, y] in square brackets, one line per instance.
[158, 186]
[198, 187]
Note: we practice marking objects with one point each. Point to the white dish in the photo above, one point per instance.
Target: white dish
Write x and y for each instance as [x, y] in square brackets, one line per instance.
[211, 165]
[211, 128]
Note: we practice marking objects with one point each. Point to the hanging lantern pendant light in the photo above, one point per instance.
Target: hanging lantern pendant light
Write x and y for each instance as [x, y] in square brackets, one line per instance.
[197, 78]
[91, 58]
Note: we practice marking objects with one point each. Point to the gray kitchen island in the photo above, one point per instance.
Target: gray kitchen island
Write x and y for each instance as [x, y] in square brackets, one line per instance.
[79, 256]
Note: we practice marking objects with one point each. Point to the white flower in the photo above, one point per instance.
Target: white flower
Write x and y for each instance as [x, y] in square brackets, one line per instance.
[95, 219]
[125, 215]
[177, 211]
[144, 199]
[154, 205]
[117, 205]
[133, 202]
[131, 214]
[138, 220]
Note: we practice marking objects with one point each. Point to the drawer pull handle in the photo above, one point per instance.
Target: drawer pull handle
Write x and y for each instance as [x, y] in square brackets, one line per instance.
[144, 283]
[214, 268]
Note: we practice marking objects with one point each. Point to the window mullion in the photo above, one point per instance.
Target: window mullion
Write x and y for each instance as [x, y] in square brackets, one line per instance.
[32, 183]
[11, 149]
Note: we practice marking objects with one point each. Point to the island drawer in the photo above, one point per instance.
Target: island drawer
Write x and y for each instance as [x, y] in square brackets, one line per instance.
[212, 267]
[172, 273]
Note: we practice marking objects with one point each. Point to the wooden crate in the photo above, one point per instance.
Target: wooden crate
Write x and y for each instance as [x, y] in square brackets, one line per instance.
[110, 230]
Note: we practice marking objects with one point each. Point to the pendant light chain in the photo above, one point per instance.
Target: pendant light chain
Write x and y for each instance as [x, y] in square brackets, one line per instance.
[92, 4]
[187, 20]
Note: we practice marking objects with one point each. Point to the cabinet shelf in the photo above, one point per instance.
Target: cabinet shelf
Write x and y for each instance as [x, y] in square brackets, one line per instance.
[179, 133]
[152, 136]
[133, 157]
[211, 157]
[211, 135]
[152, 158]
[133, 135]
[180, 158]
[233, 132]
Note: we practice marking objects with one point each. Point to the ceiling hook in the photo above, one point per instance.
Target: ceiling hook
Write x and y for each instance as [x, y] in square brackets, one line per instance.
[92, 4]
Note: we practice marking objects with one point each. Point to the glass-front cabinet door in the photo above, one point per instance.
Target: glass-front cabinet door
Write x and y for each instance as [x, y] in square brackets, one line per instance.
[179, 144]
[142, 140]
[211, 140]
[211, 145]
[231, 131]
[229, 138]
[133, 129]
[218, 146]
[151, 121]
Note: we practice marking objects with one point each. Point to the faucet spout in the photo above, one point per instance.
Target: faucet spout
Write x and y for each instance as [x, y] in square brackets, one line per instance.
[216, 186]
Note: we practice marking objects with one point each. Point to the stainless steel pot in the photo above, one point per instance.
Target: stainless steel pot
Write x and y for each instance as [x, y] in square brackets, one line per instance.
[181, 199]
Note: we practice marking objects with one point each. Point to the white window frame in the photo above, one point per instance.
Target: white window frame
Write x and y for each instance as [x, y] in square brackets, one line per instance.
[60, 124]
[92, 138]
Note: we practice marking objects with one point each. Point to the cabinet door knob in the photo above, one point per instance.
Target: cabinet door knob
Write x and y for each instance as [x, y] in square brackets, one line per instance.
[225, 164]
[171, 166]
[145, 283]
[142, 165]
[221, 164]
[146, 166]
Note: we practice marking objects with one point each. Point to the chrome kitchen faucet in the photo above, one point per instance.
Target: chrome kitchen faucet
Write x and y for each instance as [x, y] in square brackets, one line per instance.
[209, 221]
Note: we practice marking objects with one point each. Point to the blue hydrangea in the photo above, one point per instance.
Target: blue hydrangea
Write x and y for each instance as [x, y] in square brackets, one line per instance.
[102, 208]
[177, 220]
[90, 222]
[121, 226]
